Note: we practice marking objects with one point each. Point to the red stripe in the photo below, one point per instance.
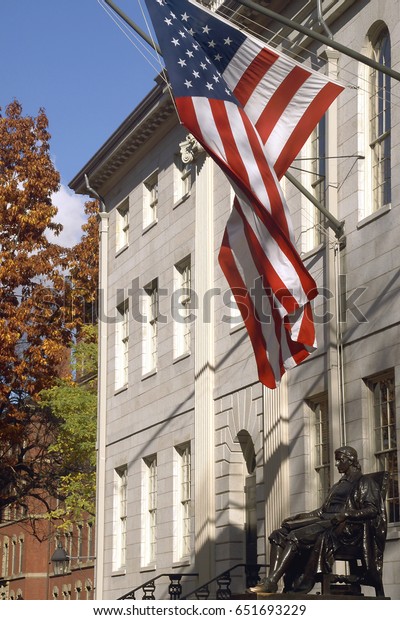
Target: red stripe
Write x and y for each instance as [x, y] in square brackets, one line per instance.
[238, 171]
[275, 221]
[307, 329]
[235, 167]
[254, 74]
[234, 159]
[188, 117]
[247, 310]
[279, 101]
[276, 206]
[305, 126]
[266, 269]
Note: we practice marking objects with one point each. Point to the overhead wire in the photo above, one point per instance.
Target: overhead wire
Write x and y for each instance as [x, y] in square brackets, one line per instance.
[354, 81]
[147, 52]
[280, 39]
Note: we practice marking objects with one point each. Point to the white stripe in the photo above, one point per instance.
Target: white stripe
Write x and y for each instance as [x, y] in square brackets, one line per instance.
[256, 179]
[290, 119]
[280, 262]
[208, 127]
[240, 62]
[243, 145]
[278, 259]
[266, 88]
[242, 256]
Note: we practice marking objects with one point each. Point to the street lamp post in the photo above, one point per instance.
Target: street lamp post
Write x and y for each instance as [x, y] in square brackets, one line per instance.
[60, 560]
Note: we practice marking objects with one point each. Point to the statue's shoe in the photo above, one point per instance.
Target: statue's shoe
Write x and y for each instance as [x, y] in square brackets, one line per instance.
[303, 585]
[266, 587]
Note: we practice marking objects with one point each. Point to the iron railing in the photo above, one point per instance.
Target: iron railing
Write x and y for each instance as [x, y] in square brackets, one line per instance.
[222, 583]
[149, 587]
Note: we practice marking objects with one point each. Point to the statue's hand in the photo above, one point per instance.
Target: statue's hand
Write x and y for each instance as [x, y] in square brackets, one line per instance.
[338, 518]
[292, 519]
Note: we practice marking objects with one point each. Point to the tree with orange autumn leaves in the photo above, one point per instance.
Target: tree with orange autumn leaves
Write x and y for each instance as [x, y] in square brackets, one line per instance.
[41, 310]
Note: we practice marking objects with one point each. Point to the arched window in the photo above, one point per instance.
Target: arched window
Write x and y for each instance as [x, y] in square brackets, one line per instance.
[89, 589]
[379, 120]
[78, 590]
[5, 558]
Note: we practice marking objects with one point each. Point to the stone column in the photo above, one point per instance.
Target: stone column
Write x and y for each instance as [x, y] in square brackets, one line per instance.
[333, 256]
[204, 440]
[276, 459]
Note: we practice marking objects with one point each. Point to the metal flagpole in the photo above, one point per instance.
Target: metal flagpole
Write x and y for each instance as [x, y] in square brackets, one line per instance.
[321, 38]
[333, 222]
[135, 27]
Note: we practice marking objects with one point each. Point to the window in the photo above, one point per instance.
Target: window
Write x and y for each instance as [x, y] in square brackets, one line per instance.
[183, 175]
[150, 510]
[90, 553]
[120, 516]
[318, 165]
[150, 204]
[150, 327]
[21, 555]
[13, 555]
[5, 558]
[320, 444]
[122, 225]
[380, 122]
[122, 345]
[184, 501]
[385, 437]
[182, 303]
[80, 542]
[313, 164]
[88, 590]
[78, 590]
[68, 548]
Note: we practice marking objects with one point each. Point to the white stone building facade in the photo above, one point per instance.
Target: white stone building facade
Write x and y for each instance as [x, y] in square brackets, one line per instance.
[197, 460]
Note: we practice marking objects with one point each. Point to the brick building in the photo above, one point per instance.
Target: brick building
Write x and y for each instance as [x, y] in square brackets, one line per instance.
[26, 548]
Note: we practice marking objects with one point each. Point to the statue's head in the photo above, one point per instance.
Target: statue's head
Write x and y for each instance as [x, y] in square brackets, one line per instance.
[350, 454]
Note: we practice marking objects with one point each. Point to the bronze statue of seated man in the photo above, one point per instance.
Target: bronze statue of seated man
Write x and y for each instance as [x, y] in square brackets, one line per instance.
[305, 544]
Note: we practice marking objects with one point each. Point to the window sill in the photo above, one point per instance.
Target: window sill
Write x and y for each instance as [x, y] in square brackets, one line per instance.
[149, 226]
[310, 253]
[181, 200]
[374, 216]
[180, 563]
[147, 569]
[393, 532]
[121, 389]
[118, 572]
[237, 328]
[149, 374]
[181, 357]
[121, 250]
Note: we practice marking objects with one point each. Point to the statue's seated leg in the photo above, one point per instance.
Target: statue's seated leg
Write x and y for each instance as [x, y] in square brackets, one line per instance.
[282, 564]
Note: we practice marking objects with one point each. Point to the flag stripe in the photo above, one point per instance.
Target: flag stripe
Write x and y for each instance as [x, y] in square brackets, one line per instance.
[262, 340]
[254, 73]
[280, 101]
[304, 128]
[284, 258]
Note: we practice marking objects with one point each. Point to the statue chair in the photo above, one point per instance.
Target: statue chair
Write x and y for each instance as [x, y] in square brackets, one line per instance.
[365, 561]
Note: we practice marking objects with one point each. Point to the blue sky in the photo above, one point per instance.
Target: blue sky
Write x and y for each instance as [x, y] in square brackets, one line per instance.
[70, 58]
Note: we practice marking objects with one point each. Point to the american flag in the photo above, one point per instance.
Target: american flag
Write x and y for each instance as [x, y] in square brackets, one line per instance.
[252, 110]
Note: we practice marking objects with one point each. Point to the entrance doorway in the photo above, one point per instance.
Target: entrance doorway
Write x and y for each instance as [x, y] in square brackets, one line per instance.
[248, 451]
